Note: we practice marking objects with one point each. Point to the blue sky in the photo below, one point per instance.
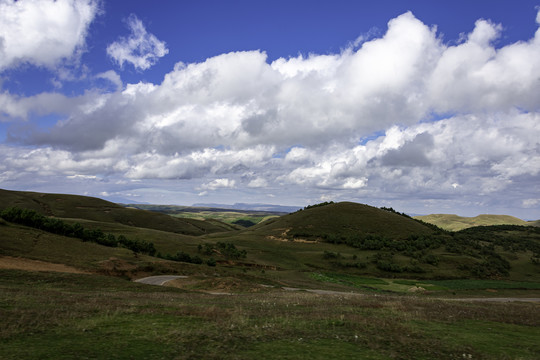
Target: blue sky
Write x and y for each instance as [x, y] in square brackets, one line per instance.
[428, 107]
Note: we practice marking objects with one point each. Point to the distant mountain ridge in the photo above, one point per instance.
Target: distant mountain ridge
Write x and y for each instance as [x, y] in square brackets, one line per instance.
[251, 207]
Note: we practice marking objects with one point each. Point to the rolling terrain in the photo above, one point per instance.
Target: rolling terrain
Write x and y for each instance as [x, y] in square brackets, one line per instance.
[371, 274]
[89, 208]
[237, 219]
[456, 223]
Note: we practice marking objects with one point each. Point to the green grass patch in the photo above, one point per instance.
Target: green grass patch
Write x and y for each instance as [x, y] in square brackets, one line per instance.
[65, 316]
[348, 280]
[300, 348]
[472, 284]
[487, 339]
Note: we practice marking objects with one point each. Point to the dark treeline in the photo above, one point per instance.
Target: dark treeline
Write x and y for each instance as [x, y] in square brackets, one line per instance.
[244, 223]
[36, 220]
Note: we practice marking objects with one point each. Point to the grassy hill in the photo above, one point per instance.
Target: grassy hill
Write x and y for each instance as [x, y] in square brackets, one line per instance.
[455, 223]
[345, 237]
[90, 208]
[342, 220]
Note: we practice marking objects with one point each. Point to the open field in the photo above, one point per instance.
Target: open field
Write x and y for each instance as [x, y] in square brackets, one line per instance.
[66, 316]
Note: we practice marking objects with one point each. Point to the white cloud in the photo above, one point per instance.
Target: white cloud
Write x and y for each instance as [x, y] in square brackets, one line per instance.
[258, 183]
[236, 121]
[113, 77]
[218, 184]
[529, 203]
[141, 48]
[42, 32]
[238, 100]
[80, 176]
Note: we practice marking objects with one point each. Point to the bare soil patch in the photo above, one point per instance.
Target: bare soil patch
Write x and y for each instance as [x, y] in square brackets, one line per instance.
[8, 262]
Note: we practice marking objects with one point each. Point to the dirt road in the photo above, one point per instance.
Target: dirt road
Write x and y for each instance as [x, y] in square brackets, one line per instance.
[159, 280]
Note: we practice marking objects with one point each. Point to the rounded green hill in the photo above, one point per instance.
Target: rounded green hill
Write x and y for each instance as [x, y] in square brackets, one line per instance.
[342, 219]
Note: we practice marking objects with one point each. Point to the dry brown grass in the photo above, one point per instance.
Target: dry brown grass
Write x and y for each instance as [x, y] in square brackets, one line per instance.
[18, 263]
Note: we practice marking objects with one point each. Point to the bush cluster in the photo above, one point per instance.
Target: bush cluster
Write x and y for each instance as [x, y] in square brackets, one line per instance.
[379, 242]
[316, 205]
[36, 220]
[513, 238]
[182, 257]
[244, 223]
[227, 250]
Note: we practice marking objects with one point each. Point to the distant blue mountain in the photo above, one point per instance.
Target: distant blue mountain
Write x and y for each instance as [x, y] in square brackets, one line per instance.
[252, 207]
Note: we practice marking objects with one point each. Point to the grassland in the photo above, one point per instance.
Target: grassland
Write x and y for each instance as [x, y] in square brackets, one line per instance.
[368, 311]
[89, 208]
[67, 316]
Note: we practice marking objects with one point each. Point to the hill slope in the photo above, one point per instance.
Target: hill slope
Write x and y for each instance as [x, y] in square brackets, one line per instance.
[456, 223]
[90, 208]
[346, 238]
[342, 219]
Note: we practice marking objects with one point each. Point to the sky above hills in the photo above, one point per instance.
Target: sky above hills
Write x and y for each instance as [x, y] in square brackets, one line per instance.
[428, 107]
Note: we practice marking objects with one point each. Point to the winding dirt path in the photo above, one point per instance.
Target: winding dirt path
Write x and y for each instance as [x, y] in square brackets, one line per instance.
[159, 280]
[163, 279]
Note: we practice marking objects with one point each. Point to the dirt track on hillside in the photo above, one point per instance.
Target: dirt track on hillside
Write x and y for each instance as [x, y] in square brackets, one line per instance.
[8, 262]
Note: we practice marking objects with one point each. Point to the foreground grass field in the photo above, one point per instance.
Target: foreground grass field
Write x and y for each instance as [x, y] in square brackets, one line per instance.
[76, 316]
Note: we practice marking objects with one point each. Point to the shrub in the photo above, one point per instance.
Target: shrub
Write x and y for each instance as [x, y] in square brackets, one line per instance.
[385, 265]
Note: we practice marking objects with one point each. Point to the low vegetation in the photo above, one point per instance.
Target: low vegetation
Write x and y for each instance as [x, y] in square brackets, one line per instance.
[222, 250]
[378, 284]
[66, 316]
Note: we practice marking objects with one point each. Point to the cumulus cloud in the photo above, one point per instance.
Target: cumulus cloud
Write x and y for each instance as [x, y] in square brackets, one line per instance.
[300, 124]
[42, 32]
[258, 183]
[113, 77]
[222, 183]
[141, 49]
